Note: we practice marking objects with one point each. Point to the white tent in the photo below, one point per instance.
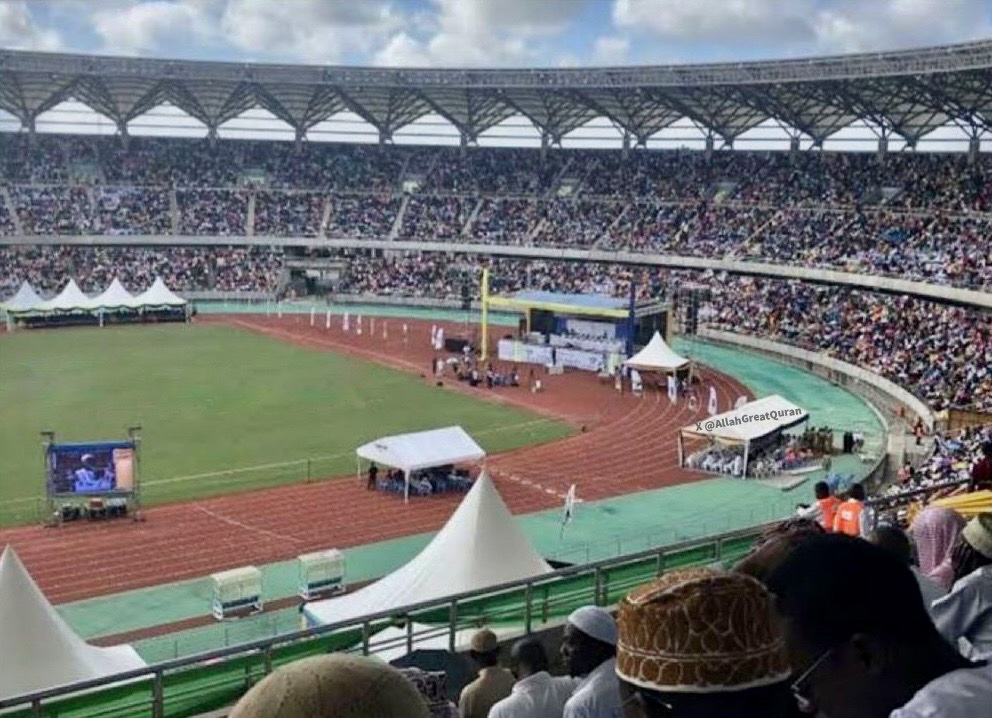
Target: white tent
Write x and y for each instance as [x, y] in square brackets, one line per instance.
[25, 300]
[159, 295]
[751, 422]
[116, 297]
[657, 356]
[422, 450]
[70, 299]
[481, 546]
[38, 650]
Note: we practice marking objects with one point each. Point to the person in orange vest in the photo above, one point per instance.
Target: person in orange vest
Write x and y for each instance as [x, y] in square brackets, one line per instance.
[853, 517]
[824, 510]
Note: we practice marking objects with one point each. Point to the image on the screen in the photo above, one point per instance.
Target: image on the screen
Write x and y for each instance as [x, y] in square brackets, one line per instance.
[93, 469]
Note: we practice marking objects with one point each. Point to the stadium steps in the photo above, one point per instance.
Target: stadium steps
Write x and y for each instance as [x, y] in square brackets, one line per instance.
[11, 210]
[250, 219]
[467, 229]
[609, 230]
[536, 230]
[325, 217]
[398, 222]
[174, 211]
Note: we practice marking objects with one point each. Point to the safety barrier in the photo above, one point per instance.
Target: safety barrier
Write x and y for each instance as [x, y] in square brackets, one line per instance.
[196, 684]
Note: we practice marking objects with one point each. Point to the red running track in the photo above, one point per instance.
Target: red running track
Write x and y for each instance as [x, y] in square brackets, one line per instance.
[625, 444]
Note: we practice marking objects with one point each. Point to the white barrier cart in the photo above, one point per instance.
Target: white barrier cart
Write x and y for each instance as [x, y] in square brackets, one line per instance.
[321, 573]
[237, 590]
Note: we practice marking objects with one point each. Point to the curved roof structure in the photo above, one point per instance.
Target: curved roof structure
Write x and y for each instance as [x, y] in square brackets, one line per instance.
[907, 93]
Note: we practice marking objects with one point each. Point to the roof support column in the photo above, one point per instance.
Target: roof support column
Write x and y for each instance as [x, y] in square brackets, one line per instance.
[883, 148]
[212, 135]
[123, 134]
[385, 137]
[974, 150]
[626, 144]
[710, 144]
[545, 143]
[794, 146]
[301, 134]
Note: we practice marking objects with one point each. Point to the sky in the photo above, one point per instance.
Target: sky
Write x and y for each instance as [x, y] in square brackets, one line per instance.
[487, 33]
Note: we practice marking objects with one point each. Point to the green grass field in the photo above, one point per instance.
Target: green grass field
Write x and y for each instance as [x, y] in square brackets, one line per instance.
[252, 411]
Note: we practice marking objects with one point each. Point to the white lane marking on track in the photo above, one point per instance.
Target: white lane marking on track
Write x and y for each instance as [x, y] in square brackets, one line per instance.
[247, 527]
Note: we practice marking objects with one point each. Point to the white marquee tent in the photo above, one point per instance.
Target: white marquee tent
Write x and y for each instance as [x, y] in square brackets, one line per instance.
[159, 295]
[480, 546]
[25, 299]
[38, 649]
[72, 299]
[116, 297]
[748, 424]
[422, 450]
[657, 356]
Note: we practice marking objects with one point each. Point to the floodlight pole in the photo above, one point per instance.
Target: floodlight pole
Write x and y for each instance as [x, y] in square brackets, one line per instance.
[485, 313]
[48, 438]
[134, 435]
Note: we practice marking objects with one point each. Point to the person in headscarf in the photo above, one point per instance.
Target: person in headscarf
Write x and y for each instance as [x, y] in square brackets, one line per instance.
[964, 616]
[935, 532]
[700, 643]
[333, 686]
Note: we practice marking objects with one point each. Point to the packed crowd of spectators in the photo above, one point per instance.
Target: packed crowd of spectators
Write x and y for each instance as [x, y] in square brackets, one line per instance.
[226, 269]
[923, 217]
[941, 353]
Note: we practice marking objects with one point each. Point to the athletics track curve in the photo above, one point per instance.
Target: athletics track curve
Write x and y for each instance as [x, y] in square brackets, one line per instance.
[623, 444]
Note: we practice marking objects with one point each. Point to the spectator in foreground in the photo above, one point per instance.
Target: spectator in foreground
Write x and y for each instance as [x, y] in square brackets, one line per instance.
[493, 684]
[775, 545]
[824, 509]
[536, 694]
[334, 686]
[896, 542]
[935, 532]
[853, 517]
[702, 643]
[861, 640]
[965, 615]
[589, 647]
[981, 473]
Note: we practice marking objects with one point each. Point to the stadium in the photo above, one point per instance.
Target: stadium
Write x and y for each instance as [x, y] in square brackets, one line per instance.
[594, 339]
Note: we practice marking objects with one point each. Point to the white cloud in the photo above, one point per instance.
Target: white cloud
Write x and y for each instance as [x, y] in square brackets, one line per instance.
[19, 31]
[610, 50]
[900, 24]
[151, 27]
[810, 27]
[475, 33]
[737, 21]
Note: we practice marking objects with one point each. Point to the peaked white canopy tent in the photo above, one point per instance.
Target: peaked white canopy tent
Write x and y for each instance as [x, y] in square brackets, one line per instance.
[38, 649]
[72, 300]
[159, 295]
[480, 546]
[421, 450]
[25, 298]
[753, 422]
[657, 356]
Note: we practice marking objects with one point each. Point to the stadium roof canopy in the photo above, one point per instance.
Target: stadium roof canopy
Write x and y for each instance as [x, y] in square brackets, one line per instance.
[906, 94]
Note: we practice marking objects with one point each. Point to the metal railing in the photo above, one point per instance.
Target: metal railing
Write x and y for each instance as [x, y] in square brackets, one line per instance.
[215, 678]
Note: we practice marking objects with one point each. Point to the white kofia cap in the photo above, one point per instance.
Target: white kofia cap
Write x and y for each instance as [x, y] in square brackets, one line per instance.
[596, 623]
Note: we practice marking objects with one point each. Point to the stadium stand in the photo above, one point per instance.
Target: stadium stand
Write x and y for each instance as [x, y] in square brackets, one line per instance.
[924, 217]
